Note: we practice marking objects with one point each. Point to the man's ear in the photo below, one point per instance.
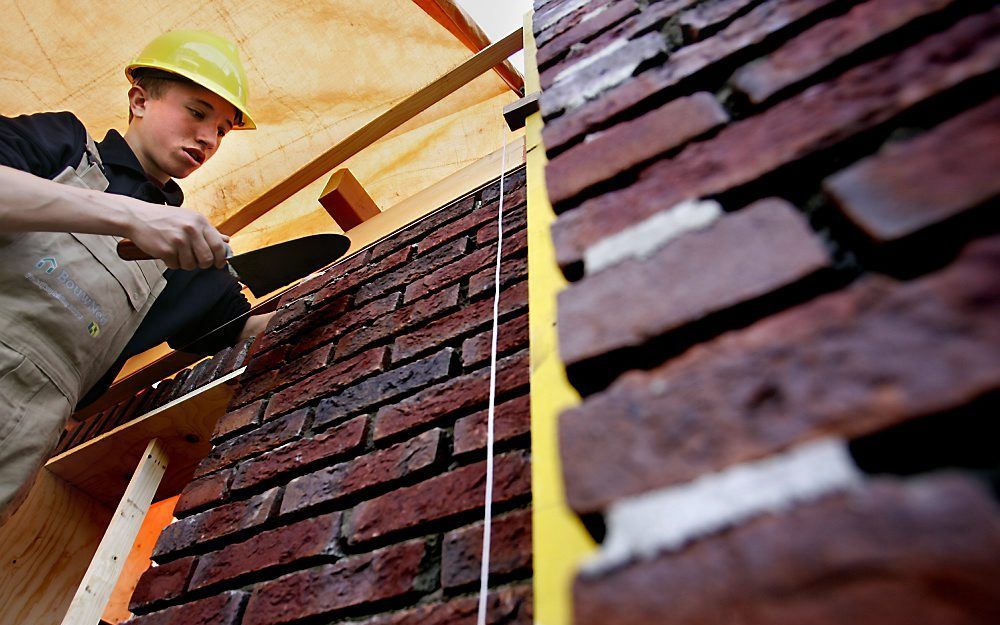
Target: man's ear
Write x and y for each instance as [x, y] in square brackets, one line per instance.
[137, 99]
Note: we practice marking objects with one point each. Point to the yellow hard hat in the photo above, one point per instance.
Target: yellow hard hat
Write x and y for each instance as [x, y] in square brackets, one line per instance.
[205, 58]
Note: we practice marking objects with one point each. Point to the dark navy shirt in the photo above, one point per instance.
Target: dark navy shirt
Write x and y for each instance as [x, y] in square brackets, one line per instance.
[193, 303]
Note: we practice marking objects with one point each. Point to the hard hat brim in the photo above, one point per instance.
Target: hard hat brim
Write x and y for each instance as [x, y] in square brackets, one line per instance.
[247, 121]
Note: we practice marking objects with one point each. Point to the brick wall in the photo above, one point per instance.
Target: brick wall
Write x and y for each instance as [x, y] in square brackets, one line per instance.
[779, 219]
[346, 481]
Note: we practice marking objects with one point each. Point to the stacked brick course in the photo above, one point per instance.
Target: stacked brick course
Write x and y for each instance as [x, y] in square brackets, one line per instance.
[779, 222]
[346, 481]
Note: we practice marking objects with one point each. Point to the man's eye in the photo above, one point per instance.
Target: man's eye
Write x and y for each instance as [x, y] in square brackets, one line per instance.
[222, 133]
[197, 114]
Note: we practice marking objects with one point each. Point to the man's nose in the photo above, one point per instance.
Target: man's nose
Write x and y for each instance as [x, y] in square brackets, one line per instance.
[208, 138]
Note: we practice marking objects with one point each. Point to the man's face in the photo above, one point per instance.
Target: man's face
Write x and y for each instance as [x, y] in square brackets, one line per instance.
[180, 130]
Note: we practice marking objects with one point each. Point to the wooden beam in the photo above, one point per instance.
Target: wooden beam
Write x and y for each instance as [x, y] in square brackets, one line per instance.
[100, 467]
[516, 113]
[374, 130]
[88, 604]
[459, 23]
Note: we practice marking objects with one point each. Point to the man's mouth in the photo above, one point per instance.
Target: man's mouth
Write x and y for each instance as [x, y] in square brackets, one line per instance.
[196, 155]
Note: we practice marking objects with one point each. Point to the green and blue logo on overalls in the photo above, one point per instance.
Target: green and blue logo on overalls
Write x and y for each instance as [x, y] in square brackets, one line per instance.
[48, 263]
[94, 329]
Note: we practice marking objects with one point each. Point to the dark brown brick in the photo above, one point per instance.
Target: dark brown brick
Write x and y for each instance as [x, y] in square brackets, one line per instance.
[740, 257]
[414, 269]
[463, 225]
[630, 143]
[390, 325]
[425, 226]
[926, 551]
[391, 572]
[827, 42]
[262, 362]
[876, 354]
[453, 326]
[255, 389]
[321, 315]
[264, 438]
[819, 118]
[443, 400]
[439, 498]
[161, 583]
[311, 285]
[553, 48]
[511, 270]
[300, 455]
[202, 492]
[912, 185]
[513, 180]
[311, 538]
[222, 609]
[385, 387]
[510, 420]
[514, 219]
[333, 378]
[701, 20]
[374, 469]
[512, 335]
[236, 357]
[289, 313]
[510, 549]
[374, 309]
[588, 78]
[215, 523]
[374, 270]
[767, 20]
[197, 377]
[504, 606]
[239, 420]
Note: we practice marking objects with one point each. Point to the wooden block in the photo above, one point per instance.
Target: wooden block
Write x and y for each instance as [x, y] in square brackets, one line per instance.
[517, 112]
[347, 201]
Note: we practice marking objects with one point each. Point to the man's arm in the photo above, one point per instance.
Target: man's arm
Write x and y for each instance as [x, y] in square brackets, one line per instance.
[180, 237]
[255, 325]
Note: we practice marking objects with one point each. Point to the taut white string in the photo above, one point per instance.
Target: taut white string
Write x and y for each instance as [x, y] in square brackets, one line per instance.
[484, 571]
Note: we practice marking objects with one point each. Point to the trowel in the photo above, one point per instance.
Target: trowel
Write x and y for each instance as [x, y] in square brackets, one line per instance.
[268, 268]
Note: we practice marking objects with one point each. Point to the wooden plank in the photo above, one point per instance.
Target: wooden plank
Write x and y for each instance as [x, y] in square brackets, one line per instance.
[459, 23]
[375, 130]
[45, 548]
[101, 467]
[94, 591]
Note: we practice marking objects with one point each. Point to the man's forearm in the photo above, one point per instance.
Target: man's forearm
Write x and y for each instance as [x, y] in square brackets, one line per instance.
[255, 325]
[32, 204]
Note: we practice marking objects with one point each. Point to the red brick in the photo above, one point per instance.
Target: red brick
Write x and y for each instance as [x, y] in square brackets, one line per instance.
[391, 572]
[255, 389]
[443, 400]
[925, 551]
[239, 420]
[449, 274]
[510, 420]
[320, 315]
[571, 90]
[311, 538]
[386, 327]
[767, 20]
[514, 219]
[214, 524]
[703, 19]
[851, 363]
[513, 180]
[374, 309]
[912, 185]
[301, 455]
[296, 368]
[264, 438]
[289, 313]
[504, 606]
[511, 270]
[223, 609]
[311, 285]
[512, 335]
[360, 474]
[372, 271]
[161, 583]
[262, 362]
[460, 226]
[427, 225]
[414, 269]
[331, 379]
[439, 498]
[510, 549]
[819, 118]
[740, 257]
[552, 48]
[456, 324]
[202, 492]
[826, 43]
[385, 387]
[630, 143]
[236, 357]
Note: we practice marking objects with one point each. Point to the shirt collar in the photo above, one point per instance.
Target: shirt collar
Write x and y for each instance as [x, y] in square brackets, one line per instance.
[117, 152]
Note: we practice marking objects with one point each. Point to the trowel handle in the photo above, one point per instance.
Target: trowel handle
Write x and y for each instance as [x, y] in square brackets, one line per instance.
[128, 250]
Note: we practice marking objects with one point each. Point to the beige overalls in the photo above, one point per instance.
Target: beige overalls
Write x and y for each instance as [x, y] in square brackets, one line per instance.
[68, 306]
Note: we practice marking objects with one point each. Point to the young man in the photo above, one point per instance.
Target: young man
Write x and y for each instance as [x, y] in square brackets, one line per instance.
[71, 311]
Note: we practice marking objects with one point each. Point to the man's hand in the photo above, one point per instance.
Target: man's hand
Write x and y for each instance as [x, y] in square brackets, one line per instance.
[178, 236]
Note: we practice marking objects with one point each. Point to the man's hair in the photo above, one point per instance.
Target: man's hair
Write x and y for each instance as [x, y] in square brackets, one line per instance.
[155, 83]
